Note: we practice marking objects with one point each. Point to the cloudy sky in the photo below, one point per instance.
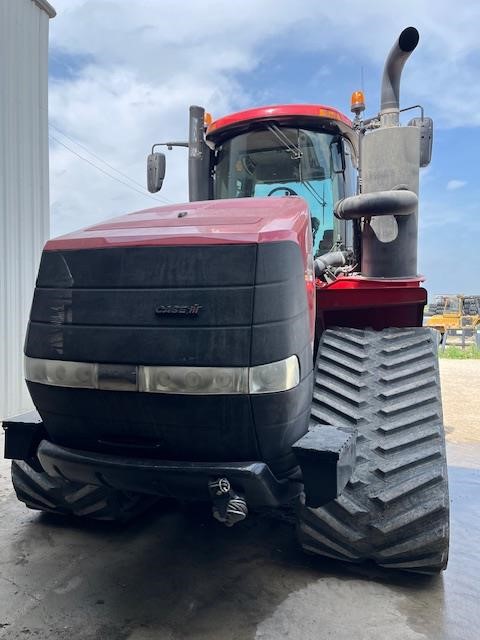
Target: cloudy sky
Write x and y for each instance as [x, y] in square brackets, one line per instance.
[122, 75]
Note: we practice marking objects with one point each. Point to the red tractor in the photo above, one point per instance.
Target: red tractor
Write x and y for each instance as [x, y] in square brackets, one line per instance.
[259, 347]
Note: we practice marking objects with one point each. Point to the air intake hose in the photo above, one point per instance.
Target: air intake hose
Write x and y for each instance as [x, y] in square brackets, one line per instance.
[400, 202]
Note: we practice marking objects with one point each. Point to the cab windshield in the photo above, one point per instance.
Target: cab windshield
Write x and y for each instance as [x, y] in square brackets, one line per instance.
[275, 161]
[452, 305]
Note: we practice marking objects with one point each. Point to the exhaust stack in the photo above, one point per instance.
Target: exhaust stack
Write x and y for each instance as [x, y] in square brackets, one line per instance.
[392, 71]
[390, 161]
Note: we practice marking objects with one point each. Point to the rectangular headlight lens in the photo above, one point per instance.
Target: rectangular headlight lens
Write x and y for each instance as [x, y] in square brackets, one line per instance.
[61, 373]
[275, 376]
[266, 378]
[193, 380]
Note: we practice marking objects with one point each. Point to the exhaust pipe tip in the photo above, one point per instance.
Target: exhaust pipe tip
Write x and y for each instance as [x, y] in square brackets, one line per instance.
[399, 54]
[408, 39]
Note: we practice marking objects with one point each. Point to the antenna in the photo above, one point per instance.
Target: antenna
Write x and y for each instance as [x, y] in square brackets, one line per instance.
[324, 204]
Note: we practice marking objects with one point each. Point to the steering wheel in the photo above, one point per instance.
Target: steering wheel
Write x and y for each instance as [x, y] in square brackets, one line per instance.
[288, 191]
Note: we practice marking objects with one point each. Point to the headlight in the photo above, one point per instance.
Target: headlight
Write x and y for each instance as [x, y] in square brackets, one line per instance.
[266, 378]
[275, 376]
[193, 380]
[60, 373]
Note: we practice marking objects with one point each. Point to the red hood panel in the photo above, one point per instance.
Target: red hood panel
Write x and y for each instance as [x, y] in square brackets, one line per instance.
[242, 220]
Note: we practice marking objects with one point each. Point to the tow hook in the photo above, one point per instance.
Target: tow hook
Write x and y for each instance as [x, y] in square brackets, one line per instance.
[228, 506]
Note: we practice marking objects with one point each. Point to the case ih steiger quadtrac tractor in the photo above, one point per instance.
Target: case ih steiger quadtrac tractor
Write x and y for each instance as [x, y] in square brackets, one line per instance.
[259, 347]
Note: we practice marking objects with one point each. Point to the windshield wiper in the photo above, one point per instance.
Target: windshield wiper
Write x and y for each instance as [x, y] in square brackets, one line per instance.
[309, 186]
[295, 152]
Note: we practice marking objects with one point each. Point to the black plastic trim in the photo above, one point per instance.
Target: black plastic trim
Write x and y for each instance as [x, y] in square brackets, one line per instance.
[182, 480]
[327, 457]
[100, 305]
[22, 436]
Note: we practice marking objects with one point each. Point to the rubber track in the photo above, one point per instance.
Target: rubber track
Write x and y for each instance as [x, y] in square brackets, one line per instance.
[56, 495]
[395, 509]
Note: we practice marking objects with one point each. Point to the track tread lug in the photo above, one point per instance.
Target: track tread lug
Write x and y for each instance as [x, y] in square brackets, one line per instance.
[38, 490]
[406, 487]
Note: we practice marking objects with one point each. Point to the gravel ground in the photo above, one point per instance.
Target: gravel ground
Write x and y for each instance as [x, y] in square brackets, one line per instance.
[461, 399]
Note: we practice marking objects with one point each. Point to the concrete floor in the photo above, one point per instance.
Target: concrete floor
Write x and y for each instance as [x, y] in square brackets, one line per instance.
[180, 575]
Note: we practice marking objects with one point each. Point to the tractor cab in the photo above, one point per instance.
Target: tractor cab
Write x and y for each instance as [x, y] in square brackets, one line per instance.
[273, 161]
[307, 151]
[298, 150]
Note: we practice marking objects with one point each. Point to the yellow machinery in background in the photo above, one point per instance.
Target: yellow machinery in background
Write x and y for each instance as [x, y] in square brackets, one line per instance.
[454, 312]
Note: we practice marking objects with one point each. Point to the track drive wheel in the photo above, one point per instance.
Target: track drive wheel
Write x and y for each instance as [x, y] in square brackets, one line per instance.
[42, 492]
[395, 508]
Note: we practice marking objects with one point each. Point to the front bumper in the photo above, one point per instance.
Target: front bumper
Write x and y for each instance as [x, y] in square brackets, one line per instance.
[181, 480]
[326, 456]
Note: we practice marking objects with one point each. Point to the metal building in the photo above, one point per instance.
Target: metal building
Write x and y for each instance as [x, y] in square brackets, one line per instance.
[24, 196]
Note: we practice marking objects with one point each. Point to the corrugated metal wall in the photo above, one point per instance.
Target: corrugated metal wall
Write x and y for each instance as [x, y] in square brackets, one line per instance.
[24, 198]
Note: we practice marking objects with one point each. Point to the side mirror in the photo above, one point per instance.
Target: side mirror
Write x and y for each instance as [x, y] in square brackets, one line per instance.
[426, 138]
[156, 165]
[337, 154]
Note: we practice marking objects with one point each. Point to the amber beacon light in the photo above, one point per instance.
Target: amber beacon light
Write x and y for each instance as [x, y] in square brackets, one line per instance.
[357, 103]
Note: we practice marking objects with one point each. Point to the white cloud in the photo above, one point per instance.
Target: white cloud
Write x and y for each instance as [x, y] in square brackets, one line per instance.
[452, 185]
[148, 60]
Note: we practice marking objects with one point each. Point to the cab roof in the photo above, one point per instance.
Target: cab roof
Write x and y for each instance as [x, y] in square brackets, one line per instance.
[302, 114]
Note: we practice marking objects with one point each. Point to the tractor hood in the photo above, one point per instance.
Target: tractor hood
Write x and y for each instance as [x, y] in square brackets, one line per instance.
[237, 221]
[208, 288]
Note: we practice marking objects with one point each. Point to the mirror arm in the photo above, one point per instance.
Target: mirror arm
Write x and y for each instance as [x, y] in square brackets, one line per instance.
[415, 106]
[169, 145]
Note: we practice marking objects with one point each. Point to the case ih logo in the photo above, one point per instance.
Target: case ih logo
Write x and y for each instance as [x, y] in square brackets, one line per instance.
[178, 310]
